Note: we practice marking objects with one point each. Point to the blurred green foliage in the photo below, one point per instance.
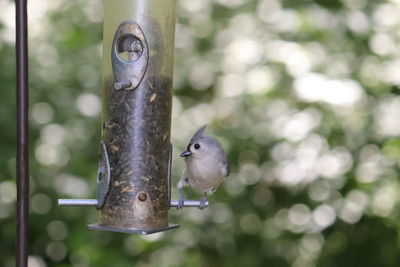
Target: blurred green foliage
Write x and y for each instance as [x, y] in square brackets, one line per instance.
[302, 94]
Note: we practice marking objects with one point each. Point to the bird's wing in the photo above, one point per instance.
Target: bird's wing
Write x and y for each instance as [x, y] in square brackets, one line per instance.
[183, 181]
[223, 159]
[227, 169]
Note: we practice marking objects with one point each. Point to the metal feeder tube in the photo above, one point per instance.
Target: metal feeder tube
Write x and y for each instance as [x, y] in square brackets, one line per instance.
[137, 101]
[134, 174]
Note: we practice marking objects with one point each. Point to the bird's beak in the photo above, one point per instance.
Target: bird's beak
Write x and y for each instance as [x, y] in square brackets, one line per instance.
[186, 153]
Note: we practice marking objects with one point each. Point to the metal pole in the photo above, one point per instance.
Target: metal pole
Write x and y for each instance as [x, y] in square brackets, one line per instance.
[22, 133]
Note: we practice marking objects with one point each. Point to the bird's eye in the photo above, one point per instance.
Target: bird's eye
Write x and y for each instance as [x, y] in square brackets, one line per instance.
[197, 146]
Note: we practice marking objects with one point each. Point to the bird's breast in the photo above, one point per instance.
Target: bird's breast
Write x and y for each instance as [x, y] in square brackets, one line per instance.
[204, 174]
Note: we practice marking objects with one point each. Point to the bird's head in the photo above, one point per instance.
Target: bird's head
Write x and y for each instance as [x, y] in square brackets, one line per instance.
[199, 145]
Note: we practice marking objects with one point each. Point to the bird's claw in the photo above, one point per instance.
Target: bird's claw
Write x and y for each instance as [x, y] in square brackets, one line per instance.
[202, 204]
[181, 202]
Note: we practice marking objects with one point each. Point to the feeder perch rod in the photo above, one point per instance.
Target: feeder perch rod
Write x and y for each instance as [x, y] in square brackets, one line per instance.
[94, 202]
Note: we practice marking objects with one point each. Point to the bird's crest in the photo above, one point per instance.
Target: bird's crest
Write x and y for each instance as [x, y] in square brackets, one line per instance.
[198, 134]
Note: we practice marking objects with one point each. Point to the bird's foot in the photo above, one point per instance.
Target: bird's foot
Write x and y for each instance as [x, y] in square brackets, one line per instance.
[203, 201]
[181, 202]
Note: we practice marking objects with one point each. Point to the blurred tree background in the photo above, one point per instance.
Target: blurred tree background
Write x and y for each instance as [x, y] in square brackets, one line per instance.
[304, 96]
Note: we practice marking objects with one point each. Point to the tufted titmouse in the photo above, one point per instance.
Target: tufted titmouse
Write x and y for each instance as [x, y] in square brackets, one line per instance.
[206, 166]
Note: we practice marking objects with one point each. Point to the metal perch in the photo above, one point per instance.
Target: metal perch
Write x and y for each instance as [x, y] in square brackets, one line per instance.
[94, 203]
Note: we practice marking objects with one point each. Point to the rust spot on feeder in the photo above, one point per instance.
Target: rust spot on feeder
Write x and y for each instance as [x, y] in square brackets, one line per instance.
[142, 197]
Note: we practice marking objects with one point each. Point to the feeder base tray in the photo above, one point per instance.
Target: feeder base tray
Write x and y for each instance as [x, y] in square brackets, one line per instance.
[132, 230]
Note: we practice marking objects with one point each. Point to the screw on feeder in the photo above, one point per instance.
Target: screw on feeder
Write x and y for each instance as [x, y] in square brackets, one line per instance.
[122, 85]
[142, 197]
[129, 48]
[136, 48]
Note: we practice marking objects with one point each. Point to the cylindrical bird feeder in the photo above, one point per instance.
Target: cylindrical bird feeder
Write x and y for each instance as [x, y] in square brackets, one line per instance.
[134, 177]
[137, 101]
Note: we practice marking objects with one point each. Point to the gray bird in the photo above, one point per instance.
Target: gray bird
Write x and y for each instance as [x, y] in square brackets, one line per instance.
[206, 166]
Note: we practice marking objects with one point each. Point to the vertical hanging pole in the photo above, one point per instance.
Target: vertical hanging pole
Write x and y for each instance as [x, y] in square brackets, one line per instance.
[22, 133]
